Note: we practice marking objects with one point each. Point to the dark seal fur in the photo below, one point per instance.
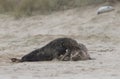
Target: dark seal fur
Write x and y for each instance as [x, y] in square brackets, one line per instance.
[63, 49]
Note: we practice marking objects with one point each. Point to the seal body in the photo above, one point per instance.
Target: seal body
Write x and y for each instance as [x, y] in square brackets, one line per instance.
[104, 9]
[63, 49]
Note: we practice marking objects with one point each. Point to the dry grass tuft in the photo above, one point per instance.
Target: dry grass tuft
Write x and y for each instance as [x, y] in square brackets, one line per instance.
[29, 7]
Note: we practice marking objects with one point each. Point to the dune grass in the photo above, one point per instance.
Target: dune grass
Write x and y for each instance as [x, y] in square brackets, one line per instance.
[28, 7]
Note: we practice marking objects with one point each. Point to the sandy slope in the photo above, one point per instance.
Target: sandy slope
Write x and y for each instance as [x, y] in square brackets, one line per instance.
[99, 33]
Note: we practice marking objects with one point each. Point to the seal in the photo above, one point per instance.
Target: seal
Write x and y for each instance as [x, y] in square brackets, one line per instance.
[63, 49]
[104, 9]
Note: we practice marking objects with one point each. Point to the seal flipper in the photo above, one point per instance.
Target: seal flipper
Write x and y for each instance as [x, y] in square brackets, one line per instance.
[15, 60]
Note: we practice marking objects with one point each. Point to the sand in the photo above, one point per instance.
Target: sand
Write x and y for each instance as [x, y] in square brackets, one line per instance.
[100, 33]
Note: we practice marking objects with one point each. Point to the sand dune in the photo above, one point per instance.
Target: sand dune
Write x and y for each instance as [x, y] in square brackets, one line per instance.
[100, 33]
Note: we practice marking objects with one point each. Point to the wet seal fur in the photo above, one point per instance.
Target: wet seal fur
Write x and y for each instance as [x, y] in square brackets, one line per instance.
[63, 49]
